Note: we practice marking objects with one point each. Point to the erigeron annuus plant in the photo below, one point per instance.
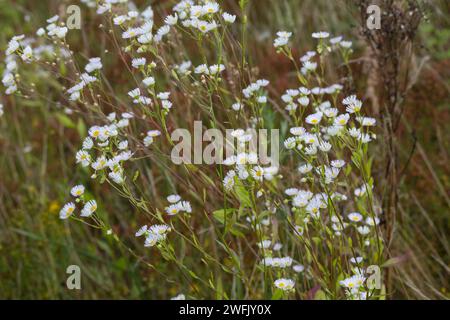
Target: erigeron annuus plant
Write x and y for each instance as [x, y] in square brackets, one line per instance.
[278, 231]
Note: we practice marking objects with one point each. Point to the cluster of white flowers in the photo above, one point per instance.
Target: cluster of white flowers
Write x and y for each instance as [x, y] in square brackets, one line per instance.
[354, 285]
[285, 284]
[21, 46]
[183, 68]
[154, 234]
[106, 147]
[325, 134]
[245, 164]
[89, 206]
[282, 38]
[53, 30]
[85, 78]
[209, 70]
[327, 140]
[177, 205]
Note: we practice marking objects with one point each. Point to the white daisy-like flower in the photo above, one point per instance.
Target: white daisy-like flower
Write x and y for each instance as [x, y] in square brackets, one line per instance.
[284, 284]
[291, 191]
[162, 32]
[67, 210]
[173, 198]
[100, 163]
[172, 209]
[123, 145]
[120, 20]
[151, 240]
[83, 157]
[320, 35]
[53, 19]
[257, 173]
[309, 138]
[186, 206]
[94, 64]
[117, 177]
[314, 118]
[236, 106]
[346, 44]
[265, 244]
[171, 19]
[131, 33]
[230, 18]
[179, 297]
[211, 7]
[148, 140]
[364, 137]
[342, 119]
[27, 54]
[142, 230]
[145, 38]
[138, 62]
[228, 181]
[297, 131]
[77, 191]
[135, 93]
[163, 95]
[372, 221]
[153, 133]
[336, 40]
[366, 121]
[290, 143]
[352, 104]
[203, 68]
[354, 132]
[89, 208]
[355, 216]
[363, 230]
[59, 32]
[330, 112]
[356, 260]
[303, 101]
[166, 104]
[305, 168]
[13, 45]
[215, 69]
[337, 163]
[149, 81]
[282, 38]
[324, 146]
[205, 26]
[298, 268]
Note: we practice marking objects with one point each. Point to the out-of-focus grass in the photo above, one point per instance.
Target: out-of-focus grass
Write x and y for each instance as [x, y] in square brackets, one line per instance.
[38, 143]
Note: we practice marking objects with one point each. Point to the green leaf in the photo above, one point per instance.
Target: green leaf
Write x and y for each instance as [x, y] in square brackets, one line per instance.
[81, 128]
[65, 120]
[220, 214]
[277, 295]
[243, 195]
